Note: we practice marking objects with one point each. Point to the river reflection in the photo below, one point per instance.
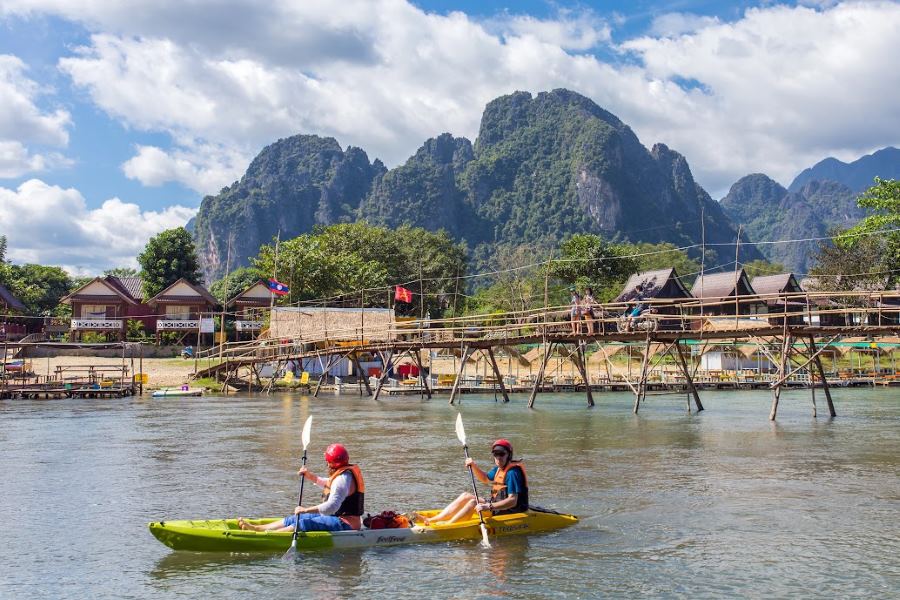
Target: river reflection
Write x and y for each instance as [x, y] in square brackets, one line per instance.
[715, 504]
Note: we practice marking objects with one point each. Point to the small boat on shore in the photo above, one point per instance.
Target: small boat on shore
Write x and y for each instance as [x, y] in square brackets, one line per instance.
[224, 535]
[182, 391]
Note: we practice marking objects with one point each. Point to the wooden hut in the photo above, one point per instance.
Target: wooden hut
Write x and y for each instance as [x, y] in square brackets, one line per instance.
[10, 327]
[727, 293]
[184, 308]
[657, 285]
[781, 294]
[249, 308]
[104, 304]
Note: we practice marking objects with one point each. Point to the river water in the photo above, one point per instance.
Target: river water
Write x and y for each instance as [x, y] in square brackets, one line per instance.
[718, 504]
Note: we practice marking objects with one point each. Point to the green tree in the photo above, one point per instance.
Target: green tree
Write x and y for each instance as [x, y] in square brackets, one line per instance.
[652, 257]
[756, 268]
[121, 272]
[335, 263]
[587, 260]
[843, 267]
[238, 280]
[167, 257]
[883, 224]
[39, 287]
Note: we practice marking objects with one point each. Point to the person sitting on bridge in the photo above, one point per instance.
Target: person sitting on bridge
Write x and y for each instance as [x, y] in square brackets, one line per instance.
[509, 488]
[631, 315]
[343, 499]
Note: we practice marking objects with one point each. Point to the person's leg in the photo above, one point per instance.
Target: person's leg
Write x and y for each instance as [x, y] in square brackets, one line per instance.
[465, 512]
[286, 524]
[451, 509]
[322, 523]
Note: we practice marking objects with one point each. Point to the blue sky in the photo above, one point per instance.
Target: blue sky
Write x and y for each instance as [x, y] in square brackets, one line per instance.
[117, 118]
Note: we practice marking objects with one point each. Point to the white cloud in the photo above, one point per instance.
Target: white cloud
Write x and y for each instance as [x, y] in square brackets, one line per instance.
[570, 30]
[774, 91]
[672, 24]
[23, 122]
[203, 168]
[47, 224]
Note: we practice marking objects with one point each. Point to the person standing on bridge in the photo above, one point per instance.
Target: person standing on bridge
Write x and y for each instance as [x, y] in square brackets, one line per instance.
[343, 498]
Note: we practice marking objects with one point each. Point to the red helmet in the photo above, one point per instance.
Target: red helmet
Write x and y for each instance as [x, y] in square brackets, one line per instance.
[503, 444]
[336, 455]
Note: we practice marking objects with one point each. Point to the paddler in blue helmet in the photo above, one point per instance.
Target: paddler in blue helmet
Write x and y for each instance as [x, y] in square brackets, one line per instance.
[342, 503]
[509, 488]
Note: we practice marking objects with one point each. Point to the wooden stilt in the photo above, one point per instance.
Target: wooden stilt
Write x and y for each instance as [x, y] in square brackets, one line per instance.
[332, 360]
[642, 383]
[540, 375]
[497, 374]
[580, 364]
[690, 381]
[386, 361]
[459, 372]
[782, 369]
[363, 376]
[818, 362]
[417, 358]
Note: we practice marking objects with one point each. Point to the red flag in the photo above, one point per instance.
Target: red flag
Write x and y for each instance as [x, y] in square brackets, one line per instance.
[401, 294]
[278, 288]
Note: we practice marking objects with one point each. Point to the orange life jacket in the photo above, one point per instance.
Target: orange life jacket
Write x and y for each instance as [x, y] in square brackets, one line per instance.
[499, 491]
[352, 508]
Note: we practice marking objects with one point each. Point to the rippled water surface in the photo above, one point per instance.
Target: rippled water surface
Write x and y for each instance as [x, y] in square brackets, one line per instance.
[717, 504]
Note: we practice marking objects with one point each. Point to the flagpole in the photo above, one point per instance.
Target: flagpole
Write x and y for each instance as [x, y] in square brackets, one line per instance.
[275, 277]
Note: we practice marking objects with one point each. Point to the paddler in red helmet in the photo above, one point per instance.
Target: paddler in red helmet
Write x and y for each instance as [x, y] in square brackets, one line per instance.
[342, 498]
[509, 488]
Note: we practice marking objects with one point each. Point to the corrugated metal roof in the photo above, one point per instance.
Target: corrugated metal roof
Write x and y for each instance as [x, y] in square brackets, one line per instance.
[133, 286]
[775, 284]
[721, 285]
[201, 291]
[651, 284]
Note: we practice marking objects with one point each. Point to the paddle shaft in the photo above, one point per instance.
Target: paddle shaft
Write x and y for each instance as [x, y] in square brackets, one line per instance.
[474, 486]
[299, 503]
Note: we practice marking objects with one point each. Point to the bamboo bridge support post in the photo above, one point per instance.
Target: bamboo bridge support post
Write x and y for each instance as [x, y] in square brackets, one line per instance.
[497, 374]
[692, 389]
[386, 358]
[363, 376]
[821, 370]
[332, 360]
[417, 358]
[462, 367]
[583, 370]
[540, 376]
[782, 369]
[642, 383]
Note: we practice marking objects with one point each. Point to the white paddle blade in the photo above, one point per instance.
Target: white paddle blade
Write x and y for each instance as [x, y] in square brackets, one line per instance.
[291, 553]
[460, 430]
[306, 429]
[484, 536]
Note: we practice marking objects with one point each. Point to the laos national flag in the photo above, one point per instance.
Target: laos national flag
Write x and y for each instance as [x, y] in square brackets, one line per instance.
[278, 288]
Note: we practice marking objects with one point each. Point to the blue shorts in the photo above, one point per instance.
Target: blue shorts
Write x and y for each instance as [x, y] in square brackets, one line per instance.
[636, 312]
[310, 522]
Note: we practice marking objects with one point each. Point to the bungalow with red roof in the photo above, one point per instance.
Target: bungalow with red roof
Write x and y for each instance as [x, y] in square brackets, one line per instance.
[10, 306]
[104, 304]
[248, 307]
[183, 307]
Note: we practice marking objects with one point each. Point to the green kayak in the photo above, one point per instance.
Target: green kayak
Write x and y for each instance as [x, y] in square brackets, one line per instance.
[224, 535]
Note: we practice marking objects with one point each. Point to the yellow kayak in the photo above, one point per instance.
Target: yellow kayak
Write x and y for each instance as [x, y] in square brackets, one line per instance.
[224, 535]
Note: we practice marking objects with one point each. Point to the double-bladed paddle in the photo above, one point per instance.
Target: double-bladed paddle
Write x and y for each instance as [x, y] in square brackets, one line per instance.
[292, 551]
[461, 434]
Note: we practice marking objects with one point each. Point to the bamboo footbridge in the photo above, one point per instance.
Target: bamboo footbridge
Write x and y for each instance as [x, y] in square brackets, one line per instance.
[793, 338]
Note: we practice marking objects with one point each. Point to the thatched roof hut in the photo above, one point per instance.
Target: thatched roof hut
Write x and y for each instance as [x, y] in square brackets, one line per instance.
[334, 324]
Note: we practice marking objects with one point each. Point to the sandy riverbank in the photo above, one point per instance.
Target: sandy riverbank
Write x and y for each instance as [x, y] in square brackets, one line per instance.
[162, 372]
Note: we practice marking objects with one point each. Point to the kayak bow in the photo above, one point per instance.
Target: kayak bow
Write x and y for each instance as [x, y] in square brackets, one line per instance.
[224, 535]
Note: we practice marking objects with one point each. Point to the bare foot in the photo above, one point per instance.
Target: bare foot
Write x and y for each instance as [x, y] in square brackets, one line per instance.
[243, 524]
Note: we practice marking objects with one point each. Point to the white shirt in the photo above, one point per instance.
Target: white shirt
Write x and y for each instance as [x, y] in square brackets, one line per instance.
[340, 489]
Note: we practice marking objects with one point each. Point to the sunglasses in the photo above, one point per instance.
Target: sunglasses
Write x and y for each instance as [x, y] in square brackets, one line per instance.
[500, 454]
